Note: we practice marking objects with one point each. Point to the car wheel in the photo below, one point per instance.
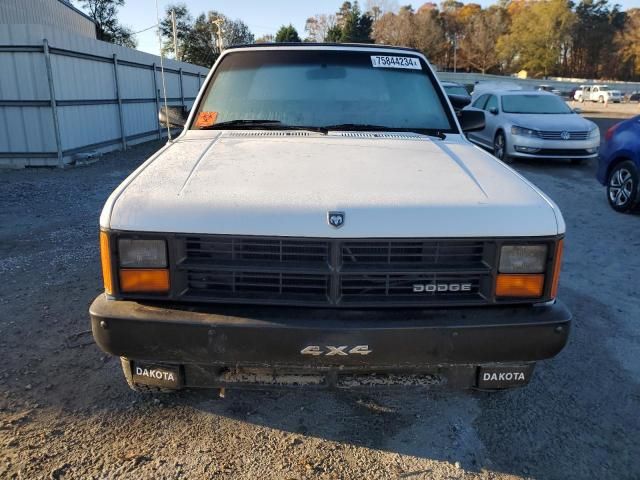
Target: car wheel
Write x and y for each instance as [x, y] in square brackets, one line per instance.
[623, 191]
[601, 99]
[581, 99]
[500, 148]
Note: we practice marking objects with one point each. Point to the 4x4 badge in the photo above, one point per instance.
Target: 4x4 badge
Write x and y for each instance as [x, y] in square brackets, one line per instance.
[335, 219]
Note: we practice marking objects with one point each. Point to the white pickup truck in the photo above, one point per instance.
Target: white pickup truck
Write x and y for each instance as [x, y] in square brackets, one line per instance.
[597, 93]
[322, 220]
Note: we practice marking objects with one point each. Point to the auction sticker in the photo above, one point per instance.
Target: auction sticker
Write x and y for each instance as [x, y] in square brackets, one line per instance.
[384, 61]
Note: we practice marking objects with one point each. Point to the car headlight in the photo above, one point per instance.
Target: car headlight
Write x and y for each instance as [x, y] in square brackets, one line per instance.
[143, 266]
[134, 253]
[524, 132]
[595, 133]
[523, 259]
[521, 271]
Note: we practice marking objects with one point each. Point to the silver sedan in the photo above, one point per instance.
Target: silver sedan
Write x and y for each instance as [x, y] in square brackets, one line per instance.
[533, 124]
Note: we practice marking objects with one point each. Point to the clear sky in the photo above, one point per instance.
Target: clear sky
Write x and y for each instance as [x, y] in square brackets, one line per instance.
[262, 16]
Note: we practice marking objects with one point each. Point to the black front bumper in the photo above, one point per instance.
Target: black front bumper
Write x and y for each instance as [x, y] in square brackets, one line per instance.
[215, 339]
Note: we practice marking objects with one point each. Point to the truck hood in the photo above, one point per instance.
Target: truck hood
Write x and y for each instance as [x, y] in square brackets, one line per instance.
[285, 183]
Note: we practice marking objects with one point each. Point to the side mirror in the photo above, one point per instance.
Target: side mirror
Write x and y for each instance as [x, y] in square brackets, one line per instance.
[577, 110]
[173, 117]
[493, 110]
[459, 101]
[472, 120]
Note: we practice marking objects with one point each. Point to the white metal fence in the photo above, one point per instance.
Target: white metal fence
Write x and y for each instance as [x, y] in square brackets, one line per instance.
[68, 95]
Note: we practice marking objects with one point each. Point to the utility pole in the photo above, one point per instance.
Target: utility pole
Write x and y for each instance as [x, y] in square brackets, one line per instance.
[455, 52]
[175, 34]
[219, 41]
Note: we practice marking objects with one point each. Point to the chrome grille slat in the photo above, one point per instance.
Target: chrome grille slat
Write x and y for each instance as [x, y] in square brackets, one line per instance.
[556, 135]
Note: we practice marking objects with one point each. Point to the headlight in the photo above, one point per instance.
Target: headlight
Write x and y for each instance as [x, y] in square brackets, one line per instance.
[142, 253]
[524, 132]
[523, 259]
[595, 133]
[521, 271]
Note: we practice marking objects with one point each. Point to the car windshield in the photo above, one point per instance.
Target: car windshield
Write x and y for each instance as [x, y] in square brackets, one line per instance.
[532, 103]
[456, 90]
[323, 88]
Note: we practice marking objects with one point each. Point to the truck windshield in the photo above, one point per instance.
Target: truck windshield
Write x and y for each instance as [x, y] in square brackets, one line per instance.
[323, 88]
[533, 103]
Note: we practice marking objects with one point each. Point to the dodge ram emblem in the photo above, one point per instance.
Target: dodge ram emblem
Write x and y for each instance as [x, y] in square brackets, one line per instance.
[335, 219]
[565, 135]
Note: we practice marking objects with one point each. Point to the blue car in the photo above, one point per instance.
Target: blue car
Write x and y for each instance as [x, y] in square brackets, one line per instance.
[619, 166]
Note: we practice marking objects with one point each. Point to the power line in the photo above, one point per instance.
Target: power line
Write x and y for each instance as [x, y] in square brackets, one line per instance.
[146, 29]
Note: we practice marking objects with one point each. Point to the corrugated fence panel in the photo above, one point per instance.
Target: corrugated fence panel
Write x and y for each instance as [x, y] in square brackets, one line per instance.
[30, 84]
[135, 82]
[172, 83]
[26, 129]
[88, 112]
[82, 79]
[190, 85]
[140, 118]
[84, 125]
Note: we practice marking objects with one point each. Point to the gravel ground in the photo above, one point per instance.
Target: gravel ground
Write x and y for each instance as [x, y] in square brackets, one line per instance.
[65, 411]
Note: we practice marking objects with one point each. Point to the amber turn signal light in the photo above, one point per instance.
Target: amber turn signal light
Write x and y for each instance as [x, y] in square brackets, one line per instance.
[520, 285]
[557, 264]
[138, 280]
[105, 257]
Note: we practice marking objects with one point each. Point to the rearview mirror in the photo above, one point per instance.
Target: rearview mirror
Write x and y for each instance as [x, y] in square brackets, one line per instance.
[472, 120]
[173, 117]
[458, 101]
[493, 110]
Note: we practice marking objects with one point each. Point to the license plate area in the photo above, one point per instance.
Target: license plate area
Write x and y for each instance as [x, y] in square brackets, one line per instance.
[494, 377]
[156, 375]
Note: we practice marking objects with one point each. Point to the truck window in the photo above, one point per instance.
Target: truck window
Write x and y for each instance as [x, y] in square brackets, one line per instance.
[322, 88]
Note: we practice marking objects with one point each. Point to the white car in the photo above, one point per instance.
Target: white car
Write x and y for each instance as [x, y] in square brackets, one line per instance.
[322, 218]
[533, 124]
[597, 93]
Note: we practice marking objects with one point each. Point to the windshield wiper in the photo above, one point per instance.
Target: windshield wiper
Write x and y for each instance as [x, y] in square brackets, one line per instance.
[264, 124]
[364, 127]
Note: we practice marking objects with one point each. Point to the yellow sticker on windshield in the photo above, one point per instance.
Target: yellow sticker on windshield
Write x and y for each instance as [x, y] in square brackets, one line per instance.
[206, 119]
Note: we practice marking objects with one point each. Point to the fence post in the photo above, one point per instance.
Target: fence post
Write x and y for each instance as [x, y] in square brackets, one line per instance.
[119, 98]
[54, 105]
[181, 89]
[155, 89]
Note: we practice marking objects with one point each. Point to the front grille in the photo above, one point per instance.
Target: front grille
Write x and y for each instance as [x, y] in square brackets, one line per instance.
[224, 250]
[334, 272]
[557, 135]
[414, 254]
[400, 288]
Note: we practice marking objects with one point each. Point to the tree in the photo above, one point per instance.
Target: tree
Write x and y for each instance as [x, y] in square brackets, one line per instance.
[268, 38]
[287, 33]
[539, 36]
[184, 24]
[351, 25]
[318, 26]
[105, 14]
[628, 44]
[480, 35]
[593, 34]
[198, 44]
